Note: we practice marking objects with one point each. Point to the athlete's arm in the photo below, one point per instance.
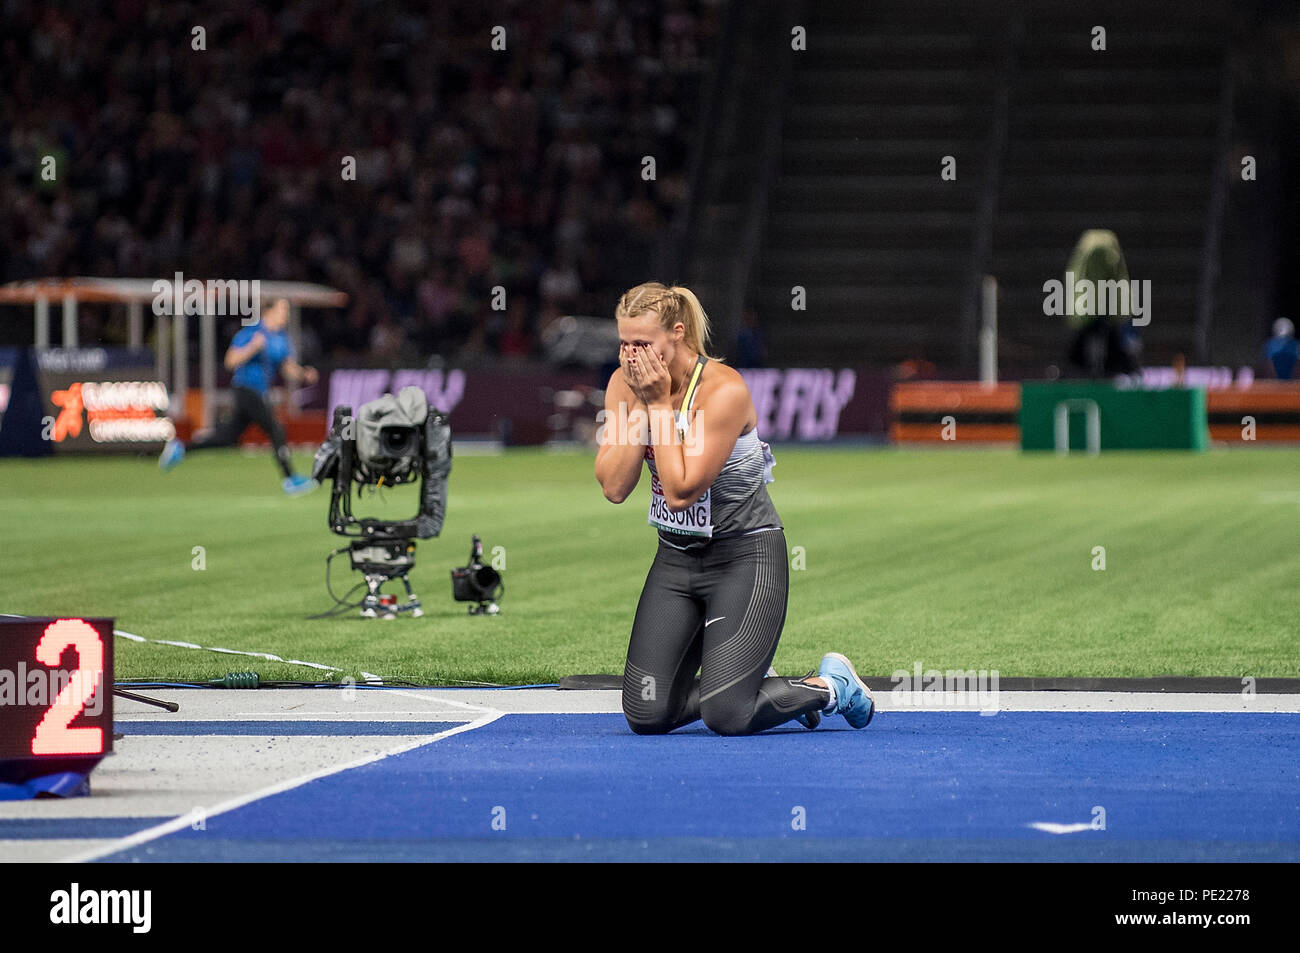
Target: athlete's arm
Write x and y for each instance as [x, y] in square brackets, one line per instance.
[622, 438]
[239, 355]
[297, 373]
[686, 470]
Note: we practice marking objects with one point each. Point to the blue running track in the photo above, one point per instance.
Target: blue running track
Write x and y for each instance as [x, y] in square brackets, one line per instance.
[914, 785]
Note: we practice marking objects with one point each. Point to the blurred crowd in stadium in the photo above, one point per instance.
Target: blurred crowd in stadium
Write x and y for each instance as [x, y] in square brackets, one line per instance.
[473, 168]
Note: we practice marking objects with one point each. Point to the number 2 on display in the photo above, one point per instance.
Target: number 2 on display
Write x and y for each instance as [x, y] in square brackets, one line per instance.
[53, 736]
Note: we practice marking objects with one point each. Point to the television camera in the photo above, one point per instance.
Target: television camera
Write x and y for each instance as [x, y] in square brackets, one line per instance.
[393, 440]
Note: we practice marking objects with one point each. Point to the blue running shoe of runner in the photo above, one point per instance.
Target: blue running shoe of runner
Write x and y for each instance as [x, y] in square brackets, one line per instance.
[298, 484]
[172, 454]
[853, 699]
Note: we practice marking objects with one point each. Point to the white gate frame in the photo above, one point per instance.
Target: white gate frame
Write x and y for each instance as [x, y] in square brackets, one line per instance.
[1093, 425]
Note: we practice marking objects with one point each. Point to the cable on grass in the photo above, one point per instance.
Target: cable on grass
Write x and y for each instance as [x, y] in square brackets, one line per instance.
[340, 605]
[387, 683]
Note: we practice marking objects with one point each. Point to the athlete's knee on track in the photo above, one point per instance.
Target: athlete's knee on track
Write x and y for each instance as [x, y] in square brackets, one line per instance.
[640, 726]
[724, 717]
[646, 716]
[657, 722]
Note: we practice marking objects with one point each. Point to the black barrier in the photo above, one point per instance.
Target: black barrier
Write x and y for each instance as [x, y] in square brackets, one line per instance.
[21, 408]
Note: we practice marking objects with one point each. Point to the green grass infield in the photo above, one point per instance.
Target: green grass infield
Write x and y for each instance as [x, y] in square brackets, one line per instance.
[951, 558]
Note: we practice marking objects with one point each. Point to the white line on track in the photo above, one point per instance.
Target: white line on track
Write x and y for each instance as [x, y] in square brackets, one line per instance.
[332, 714]
[469, 706]
[488, 716]
[1051, 827]
[211, 648]
[549, 701]
[1204, 702]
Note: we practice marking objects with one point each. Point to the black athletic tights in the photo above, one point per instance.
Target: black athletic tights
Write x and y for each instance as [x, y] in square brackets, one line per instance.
[250, 408]
[718, 612]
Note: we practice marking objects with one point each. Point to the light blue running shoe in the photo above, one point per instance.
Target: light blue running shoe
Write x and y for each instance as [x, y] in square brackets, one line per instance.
[853, 699]
[298, 484]
[172, 454]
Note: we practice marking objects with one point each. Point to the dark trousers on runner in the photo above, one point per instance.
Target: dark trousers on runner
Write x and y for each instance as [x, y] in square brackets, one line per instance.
[718, 612]
[250, 408]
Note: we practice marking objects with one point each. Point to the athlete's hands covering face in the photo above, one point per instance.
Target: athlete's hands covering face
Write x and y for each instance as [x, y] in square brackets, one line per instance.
[646, 374]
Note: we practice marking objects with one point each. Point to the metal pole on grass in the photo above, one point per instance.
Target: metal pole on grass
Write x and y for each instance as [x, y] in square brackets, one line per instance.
[69, 320]
[989, 333]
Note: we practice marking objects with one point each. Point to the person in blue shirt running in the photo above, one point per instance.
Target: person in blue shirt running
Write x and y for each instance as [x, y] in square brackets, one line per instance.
[255, 355]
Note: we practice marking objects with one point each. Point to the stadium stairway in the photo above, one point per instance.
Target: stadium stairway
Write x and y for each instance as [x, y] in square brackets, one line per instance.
[742, 122]
[1122, 139]
[859, 215]
[887, 250]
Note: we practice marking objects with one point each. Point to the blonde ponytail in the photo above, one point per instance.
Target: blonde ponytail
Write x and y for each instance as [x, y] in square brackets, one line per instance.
[673, 304]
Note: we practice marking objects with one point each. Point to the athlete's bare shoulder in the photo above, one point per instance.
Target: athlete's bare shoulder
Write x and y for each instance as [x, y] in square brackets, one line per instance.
[719, 372]
[720, 380]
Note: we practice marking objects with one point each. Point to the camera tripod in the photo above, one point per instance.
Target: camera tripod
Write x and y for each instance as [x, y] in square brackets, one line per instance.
[383, 560]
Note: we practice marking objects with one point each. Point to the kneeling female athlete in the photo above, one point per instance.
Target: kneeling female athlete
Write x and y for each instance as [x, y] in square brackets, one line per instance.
[715, 599]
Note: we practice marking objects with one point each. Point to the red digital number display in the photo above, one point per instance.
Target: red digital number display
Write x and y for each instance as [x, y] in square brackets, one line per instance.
[55, 688]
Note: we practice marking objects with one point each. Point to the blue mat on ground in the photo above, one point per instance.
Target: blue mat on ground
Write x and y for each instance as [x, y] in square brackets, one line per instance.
[913, 786]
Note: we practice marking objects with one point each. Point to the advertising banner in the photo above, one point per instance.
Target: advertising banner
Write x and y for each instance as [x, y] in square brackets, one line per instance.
[90, 400]
[530, 406]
